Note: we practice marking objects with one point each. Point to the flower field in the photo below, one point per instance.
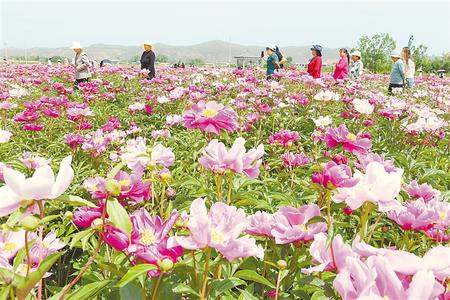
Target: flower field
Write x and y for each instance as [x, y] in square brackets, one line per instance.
[214, 183]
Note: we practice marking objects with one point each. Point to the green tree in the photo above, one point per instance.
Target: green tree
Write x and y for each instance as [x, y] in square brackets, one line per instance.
[419, 54]
[162, 58]
[375, 51]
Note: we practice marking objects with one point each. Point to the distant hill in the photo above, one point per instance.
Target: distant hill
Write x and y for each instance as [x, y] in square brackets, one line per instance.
[210, 52]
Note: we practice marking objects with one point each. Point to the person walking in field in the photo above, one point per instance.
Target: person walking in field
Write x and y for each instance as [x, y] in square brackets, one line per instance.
[81, 63]
[356, 66]
[397, 77]
[148, 60]
[315, 64]
[410, 66]
[341, 69]
[271, 61]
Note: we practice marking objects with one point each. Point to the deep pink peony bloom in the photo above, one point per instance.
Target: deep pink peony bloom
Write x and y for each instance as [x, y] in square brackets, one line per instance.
[211, 117]
[290, 224]
[74, 140]
[150, 239]
[220, 229]
[284, 137]
[116, 238]
[218, 159]
[84, 216]
[350, 142]
[335, 175]
[294, 160]
[424, 191]
[32, 127]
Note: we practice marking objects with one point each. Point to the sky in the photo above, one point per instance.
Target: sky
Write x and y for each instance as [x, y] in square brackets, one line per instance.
[337, 23]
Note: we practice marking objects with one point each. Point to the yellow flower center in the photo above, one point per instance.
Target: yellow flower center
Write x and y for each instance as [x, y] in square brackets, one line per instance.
[217, 236]
[10, 247]
[303, 227]
[442, 215]
[209, 113]
[124, 182]
[147, 238]
[22, 270]
[351, 136]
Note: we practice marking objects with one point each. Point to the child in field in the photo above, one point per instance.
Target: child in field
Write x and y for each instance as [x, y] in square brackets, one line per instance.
[397, 77]
[341, 69]
[357, 66]
[410, 66]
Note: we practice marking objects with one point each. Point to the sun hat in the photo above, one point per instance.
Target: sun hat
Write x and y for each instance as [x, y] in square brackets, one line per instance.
[147, 42]
[317, 48]
[356, 53]
[76, 45]
[272, 47]
[395, 54]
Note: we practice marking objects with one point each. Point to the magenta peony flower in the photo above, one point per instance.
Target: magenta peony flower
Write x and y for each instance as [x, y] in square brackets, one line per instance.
[116, 238]
[294, 160]
[218, 159]
[220, 229]
[290, 224]
[350, 142]
[32, 127]
[334, 175]
[84, 216]
[74, 140]
[284, 137]
[415, 215]
[211, 117]
[424, 191]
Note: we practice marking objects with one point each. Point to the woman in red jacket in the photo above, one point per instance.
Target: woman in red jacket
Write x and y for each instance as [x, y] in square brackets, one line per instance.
[315, 64]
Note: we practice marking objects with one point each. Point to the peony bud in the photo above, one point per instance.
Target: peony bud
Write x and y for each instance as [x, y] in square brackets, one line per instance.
[165, 264]
[30, 223]
[282, 264]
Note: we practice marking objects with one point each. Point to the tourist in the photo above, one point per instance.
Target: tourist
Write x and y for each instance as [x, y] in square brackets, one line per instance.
[148, 60]
[356, 66]
[397, 78]
[281, 59]
[315, 64]
[81, 63]
[341, 69]
[271, 61]
[410, 66]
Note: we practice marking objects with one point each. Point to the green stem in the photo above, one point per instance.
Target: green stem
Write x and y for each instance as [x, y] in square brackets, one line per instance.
[367, 208]
[27, 249]
[206, 275]
[195, 269]
[219, 188]
[155, 288]
[230, 189]
[161, 202]
[278, 284]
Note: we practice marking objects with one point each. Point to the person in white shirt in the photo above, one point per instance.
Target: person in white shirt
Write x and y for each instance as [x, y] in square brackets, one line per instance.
[410, 66]
[356, 66]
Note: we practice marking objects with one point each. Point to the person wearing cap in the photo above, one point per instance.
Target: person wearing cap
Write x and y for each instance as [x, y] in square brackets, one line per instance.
[397, 77]
[356, 66]
[148, 60]
[315, 64]
[341, 69]
[81, 63]
[271, 61]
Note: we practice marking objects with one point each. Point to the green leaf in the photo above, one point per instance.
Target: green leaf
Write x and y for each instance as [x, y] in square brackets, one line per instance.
[89, 291]
[74, 201]
[182, 288]
[48, 219]
[316, 219]
[118, 215]
[245, 295]
[330, 236]
[134, 272]
[4, 292]
[220, 286]
[253, 276]
[131, 291]
[24, 288]
[115, 170]
[79, 235]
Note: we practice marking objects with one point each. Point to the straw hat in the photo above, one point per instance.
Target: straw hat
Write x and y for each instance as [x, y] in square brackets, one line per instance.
[147, 42]
[356, 53]
[76, 45]
[395, 54]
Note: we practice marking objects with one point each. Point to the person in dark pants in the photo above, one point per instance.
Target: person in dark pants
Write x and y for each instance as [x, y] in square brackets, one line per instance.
[397, 78]
[81, 63]
[148, 60]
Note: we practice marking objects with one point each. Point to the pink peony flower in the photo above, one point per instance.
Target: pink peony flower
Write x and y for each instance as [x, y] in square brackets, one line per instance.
[350, 142]
[211, 117]
[84, 216]
[334, 175]
[284, 137]
[414, 215]
[290, 224]
[294, 160]
[261, 223]
[424, 191]
[364, 159]
[220, 229]
[218, 159]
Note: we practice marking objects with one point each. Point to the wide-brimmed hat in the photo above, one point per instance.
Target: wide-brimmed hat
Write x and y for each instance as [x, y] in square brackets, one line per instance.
[317, 48]
[76, 45]
[147, 42]
[356, 53]
[395, 54]
[272, 47]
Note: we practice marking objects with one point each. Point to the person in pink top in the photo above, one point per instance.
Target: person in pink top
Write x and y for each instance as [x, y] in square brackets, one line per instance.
[341, 70]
